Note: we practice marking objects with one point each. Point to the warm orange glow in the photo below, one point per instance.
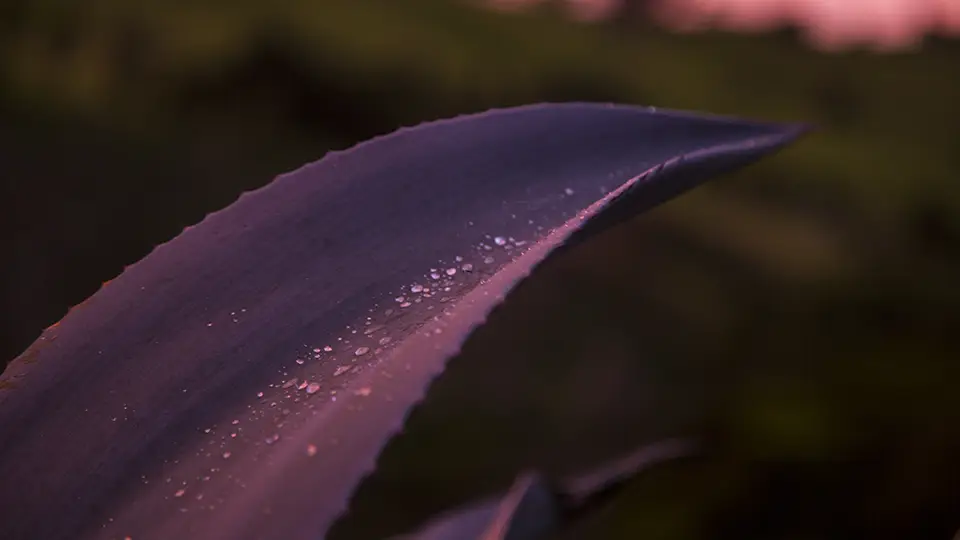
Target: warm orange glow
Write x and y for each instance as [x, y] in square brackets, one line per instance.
[828, 24]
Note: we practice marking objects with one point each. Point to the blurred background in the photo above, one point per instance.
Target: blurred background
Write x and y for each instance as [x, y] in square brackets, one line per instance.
[800, 315]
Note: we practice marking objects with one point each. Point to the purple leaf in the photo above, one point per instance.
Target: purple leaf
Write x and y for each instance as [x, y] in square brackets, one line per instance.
[241, 380]
[535, 507]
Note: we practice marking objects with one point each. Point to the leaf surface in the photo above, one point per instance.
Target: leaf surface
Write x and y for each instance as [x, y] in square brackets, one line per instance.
[241, 380]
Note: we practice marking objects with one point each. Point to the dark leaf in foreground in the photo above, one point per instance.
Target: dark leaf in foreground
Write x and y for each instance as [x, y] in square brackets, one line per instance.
[535, 508]
[241, 380]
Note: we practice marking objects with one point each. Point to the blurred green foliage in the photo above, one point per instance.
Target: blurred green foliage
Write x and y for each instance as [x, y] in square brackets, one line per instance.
[800, 315]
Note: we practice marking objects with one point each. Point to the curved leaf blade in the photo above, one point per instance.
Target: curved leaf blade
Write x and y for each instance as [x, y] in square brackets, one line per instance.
[165, 406]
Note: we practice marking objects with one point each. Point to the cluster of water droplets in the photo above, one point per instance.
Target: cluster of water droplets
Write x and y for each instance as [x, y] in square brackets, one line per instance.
[317, 373]
[319, 370]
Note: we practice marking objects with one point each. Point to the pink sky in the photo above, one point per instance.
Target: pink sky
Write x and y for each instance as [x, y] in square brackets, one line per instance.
[829, 24]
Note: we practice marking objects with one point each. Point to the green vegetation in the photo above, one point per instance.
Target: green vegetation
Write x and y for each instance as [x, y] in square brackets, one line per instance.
[801, 313]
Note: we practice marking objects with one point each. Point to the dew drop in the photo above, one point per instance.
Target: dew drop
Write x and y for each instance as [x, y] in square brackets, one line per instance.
[290, 383]
[302, 385]
[568, 191]
[458, 258]
[499, 240]
[361, 351]
[365, 391]
[341, 370]
[405, 304]
[467, 267]
[451, 271]
[416, 288]
[488, 260]
[434, 275]
[311, 450]
[313, 388]
[226, 455]
[179, 493]
[260, 394]
[384, 340]
[328, 349]
[272, 439]
[300, 361]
